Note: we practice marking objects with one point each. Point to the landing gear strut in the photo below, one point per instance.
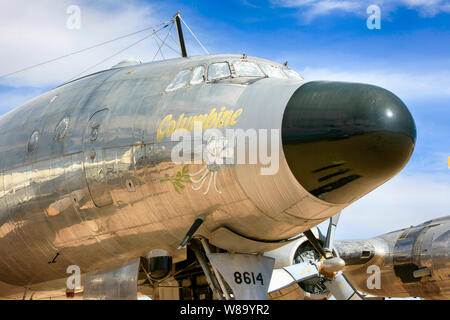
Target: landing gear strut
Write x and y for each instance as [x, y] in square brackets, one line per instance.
[233, 275]
[211, 276]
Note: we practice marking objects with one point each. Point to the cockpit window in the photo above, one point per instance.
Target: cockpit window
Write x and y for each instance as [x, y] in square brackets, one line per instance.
[181, 80]
[292, 74]
[219, 70]
[273, 72]
[198, 75]
[247, 69]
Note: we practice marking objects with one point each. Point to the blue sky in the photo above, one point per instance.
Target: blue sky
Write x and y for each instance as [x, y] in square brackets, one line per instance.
[321, 39]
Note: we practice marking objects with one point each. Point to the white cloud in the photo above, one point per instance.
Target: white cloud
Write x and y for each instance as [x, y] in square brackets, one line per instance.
[427, 8]
[310, 9]
[403, 201]
[35, 31]
[407, 85]
[325, 7]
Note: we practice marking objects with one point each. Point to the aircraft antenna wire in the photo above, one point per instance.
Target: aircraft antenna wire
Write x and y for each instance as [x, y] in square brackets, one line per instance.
[171, 37]
[193, 34]
[159, 44]
[163, 42]
[119, 52]
[83, 50]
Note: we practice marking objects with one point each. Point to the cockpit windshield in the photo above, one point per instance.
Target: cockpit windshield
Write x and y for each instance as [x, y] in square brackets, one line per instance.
[230, 69]
[198, 75]
[181, 80]
[273, 72]
[247, 69]
[218, 71]
[293, 75]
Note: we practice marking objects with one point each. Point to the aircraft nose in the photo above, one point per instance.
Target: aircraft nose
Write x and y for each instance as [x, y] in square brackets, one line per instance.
[342, 140]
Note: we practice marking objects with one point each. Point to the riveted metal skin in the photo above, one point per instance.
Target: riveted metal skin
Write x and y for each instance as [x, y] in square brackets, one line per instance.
[108, 191]
[398, 255]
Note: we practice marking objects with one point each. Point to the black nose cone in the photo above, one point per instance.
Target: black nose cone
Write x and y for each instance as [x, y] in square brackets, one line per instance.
[342, 140]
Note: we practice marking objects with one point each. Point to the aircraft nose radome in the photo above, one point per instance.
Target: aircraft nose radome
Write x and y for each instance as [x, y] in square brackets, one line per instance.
[342, 140]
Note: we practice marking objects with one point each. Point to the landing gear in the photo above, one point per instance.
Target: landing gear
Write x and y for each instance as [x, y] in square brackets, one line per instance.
[196, 277]
[230, 276]
[212, 276]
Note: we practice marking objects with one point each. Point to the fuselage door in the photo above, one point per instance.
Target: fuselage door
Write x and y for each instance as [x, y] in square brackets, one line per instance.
[94, 162]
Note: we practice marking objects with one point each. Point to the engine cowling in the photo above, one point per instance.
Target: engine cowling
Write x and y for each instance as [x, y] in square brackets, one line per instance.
[296, 252]
[412, 262]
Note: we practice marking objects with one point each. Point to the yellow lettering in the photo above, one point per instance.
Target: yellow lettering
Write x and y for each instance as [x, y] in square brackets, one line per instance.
[186, 122]
[202, 118]
[219, 116]
[211, 119]
[226, 115]
[179, 122]
[170, 127]
[160, 133]
[235, 116]
[223, 118]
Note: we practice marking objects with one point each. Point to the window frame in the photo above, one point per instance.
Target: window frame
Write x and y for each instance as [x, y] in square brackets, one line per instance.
[205, 67]
[264, 75]
[289, 69]
[190, 69]
[276, 67]
[218, 79]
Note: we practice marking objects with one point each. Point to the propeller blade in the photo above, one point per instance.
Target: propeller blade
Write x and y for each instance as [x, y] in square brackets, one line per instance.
[284, 277]
[341, 288]
[330, 267]
[329, 241]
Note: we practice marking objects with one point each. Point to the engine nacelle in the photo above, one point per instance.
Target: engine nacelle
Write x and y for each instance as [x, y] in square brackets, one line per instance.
[295, 252]
[412, 262]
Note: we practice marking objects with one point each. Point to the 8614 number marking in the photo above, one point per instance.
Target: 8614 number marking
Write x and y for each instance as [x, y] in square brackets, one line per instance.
[248, 278]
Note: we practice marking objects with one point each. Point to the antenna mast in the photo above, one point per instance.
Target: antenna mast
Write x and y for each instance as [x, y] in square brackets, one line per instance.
[180, 35]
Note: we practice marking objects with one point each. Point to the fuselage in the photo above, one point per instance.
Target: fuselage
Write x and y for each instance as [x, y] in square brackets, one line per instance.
[411, 262]
[87, 177]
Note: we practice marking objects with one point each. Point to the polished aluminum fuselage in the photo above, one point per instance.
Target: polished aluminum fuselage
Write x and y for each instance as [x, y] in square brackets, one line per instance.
[397, 255]
[102, 194]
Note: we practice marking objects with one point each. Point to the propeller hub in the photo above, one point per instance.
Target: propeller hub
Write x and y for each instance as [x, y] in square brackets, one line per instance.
[330, 267]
